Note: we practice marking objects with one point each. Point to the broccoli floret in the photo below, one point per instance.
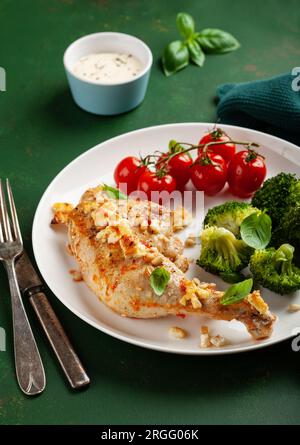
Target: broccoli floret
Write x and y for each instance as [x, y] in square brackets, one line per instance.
[294, 198]
[288, 229]
[229, 215]
[275, 270]
[277, 195]
[222, 251]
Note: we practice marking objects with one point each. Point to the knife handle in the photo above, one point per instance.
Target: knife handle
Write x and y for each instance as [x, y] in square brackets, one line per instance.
[59, 341]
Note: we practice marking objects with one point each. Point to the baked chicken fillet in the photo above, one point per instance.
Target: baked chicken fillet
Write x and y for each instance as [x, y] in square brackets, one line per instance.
[118, 244]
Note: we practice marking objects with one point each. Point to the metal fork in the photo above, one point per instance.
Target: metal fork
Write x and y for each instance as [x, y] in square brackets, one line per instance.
[29, 367]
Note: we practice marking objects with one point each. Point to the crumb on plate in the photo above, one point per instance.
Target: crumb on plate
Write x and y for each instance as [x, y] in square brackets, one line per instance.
[190, 241]
[177, 332]
[217, 341]
[76, 274]
[206, 340]
[294, 307]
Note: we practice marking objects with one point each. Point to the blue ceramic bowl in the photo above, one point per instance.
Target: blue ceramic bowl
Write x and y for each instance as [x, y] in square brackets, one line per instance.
[108, 99]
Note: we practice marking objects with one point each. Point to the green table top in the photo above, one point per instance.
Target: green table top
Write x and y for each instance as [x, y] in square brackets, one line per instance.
[41, 130]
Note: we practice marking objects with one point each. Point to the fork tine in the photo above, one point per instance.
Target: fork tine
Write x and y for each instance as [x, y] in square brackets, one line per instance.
[1, 219]
[1, 229]
[4, 216]
[13, 211]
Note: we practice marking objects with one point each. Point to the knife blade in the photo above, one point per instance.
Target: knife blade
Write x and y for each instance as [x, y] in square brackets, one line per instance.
[32, 287]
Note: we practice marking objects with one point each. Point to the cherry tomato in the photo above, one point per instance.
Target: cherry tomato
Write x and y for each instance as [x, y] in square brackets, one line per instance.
[209, 173]
[246, 172]
[226, 150]
[178, 167]
[127, 173]
[153, 182]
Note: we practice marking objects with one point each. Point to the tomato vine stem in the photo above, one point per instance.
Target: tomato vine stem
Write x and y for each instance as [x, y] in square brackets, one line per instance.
[205, 147]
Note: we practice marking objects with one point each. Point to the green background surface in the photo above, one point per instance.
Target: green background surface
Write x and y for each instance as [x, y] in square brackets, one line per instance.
[41, 130]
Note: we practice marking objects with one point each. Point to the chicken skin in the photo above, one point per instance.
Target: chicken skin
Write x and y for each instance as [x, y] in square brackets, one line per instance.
[119, 243]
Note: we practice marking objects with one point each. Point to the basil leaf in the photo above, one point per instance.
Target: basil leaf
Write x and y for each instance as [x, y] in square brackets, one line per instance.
[256, 230]
[113, 192]
[175, 57]
[185, 24]
[216, 41]
[237, 292]
[232, 277]
[159, 279]
[196, 54]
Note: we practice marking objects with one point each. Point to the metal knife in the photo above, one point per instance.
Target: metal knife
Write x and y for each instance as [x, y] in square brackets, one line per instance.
[32, 287]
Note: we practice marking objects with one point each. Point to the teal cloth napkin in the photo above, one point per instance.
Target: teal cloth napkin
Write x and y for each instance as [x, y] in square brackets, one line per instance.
[269, 105]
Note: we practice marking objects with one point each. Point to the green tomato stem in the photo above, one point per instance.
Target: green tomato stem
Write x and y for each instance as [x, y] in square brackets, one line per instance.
[192, 147]
[205, 147]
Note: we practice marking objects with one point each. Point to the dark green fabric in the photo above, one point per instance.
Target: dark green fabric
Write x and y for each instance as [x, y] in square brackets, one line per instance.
[269, 105]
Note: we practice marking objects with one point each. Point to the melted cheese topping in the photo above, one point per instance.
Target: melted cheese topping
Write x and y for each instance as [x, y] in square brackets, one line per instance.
[61, 210]
[121, 233]
[257, 302]
[192, 294]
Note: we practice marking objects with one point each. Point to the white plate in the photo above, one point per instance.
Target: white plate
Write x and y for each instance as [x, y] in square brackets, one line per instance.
[96, 166]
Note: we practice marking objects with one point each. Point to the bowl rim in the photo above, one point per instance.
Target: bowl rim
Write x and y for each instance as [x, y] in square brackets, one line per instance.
[109, 33]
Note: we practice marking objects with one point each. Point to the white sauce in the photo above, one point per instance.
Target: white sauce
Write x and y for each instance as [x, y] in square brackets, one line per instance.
[108, 68]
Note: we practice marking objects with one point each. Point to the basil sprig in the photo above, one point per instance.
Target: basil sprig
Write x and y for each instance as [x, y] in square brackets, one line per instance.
[237, 292]
[178, 54]
[197, 56]
[216, 41]
[176, 57]
[114, 193]
[159, 279]
[256, 230]
[185, 24]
